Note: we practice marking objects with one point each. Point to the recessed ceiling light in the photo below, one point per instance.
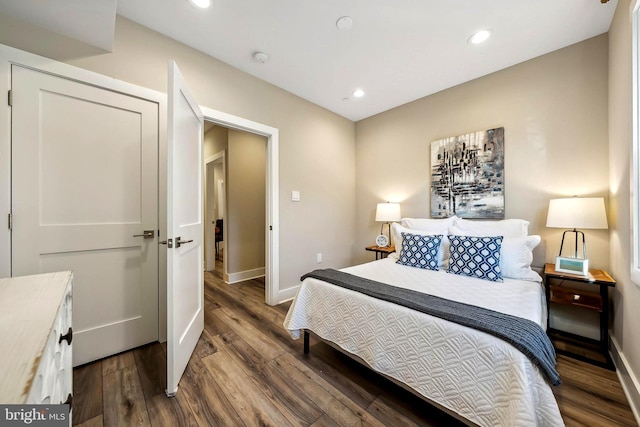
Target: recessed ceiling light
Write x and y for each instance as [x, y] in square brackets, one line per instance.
[202, 4]
[261, 57]
[345, 23]
[480, 37]
[358, 93]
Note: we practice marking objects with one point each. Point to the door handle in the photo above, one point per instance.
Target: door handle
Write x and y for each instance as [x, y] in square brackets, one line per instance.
[168, 242]
[147, 234]
[181, 242]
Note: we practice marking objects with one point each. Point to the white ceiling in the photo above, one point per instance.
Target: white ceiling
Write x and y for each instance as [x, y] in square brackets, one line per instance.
[397, 50]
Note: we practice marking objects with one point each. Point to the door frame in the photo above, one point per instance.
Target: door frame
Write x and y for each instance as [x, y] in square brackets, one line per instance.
[272, 208]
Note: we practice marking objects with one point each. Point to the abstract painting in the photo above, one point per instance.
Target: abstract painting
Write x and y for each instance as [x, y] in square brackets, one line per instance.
[467, 175]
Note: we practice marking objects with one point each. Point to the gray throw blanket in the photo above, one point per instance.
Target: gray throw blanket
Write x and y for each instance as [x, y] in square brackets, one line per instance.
[523, 334]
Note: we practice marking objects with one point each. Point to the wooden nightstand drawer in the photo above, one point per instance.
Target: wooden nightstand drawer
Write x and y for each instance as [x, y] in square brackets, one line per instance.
[576, 297]
[579, 295]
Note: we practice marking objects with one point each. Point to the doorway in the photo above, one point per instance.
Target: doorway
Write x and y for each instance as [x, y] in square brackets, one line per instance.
[236, 225]
[272, 239]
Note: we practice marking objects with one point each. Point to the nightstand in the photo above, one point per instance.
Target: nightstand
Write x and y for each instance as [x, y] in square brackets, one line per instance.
[558, 289]
[381, 251]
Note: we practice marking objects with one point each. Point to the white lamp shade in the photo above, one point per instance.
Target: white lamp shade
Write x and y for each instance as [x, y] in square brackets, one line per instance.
[387, 212]
[577, 212]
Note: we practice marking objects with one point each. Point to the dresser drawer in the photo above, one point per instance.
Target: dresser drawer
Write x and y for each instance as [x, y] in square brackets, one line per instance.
[578, 298]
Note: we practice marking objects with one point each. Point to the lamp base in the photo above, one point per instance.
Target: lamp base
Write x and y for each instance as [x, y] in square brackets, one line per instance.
[584, 245]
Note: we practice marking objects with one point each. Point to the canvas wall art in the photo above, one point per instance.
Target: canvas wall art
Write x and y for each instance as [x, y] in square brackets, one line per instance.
[467, 175]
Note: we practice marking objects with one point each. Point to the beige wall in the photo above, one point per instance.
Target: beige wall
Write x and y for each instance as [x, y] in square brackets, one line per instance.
[316, 146]
[215, 140]
[246, 188]
[554, 111]
[626, 315]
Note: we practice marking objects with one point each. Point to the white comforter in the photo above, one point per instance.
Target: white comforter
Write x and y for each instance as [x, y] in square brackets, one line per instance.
[479, 376]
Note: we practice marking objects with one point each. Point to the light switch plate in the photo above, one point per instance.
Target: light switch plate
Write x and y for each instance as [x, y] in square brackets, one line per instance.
[295, 196]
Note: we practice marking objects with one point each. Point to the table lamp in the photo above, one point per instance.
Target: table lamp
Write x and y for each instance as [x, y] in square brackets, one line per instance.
[386, 213]
[574, 213]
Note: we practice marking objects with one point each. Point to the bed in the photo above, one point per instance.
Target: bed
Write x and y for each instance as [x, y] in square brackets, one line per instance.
[471, 374]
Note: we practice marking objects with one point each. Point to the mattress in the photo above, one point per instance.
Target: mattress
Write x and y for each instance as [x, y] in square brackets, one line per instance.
[476, 375]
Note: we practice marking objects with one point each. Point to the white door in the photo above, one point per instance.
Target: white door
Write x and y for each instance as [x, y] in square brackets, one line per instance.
[185, 281]
[84, 182]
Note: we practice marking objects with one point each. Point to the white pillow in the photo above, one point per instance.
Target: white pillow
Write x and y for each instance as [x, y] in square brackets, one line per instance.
[428, 224]
[516, 256]
[441, 229]
[505, 228]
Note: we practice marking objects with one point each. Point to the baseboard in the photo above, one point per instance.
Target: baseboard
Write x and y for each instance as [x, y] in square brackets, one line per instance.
[245, 275]
[628, 379]
[287, 294]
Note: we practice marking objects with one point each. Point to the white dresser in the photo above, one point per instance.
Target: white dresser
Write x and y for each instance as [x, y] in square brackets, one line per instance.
[35, 339]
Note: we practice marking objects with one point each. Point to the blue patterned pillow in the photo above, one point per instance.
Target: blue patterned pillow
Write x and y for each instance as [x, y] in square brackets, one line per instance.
[476, 257]
[420, 251]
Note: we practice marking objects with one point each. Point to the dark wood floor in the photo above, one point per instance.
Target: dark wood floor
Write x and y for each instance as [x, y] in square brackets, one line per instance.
[247, 371]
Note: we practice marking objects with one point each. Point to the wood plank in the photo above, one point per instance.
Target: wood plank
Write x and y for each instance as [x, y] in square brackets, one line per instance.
[325, 421]
[152, 369]
[389, 416]
[93, 422]
[591, 408]
[249, 402]
[174, 411]
[205, 345]
[577, 416]
[207, 400]
[212, 325]
[117, 362]
[360, 385]
[601, 381]
[594, 390]
[396, 406]
[209, 301]
[249, 359]
[254, 337]
[254, 314]
[123, 400]
[335, 404]
[242, 299]
[87, 392]
[291, 402]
